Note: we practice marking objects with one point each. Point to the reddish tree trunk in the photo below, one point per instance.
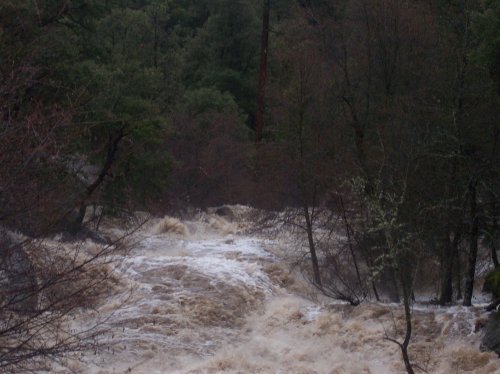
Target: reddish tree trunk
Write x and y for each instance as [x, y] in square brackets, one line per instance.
[264, 41]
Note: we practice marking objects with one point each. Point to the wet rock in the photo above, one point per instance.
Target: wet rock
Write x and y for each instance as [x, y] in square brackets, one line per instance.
[18, 282]
[491, 338]
[225, 212]
[85, 233]
[492, 283]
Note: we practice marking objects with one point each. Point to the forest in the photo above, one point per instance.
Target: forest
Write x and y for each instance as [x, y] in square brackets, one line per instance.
[378, 119]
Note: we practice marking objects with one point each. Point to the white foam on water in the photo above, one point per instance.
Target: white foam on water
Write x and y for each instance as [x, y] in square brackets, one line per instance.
[203, 302]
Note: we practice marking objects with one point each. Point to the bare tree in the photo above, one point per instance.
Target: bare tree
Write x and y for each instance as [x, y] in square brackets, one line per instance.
[44, 282]
[44, 286]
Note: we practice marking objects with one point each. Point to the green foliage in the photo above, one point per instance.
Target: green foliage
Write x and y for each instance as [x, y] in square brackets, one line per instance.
[487, 30]
[492, 283]
[224, 52]
[208, 99]
[110, 65]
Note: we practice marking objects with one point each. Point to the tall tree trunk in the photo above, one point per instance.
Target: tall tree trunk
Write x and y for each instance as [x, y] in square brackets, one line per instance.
[404, 346]
[446, 273]
[449, 263]
[348, 230]
[474, 231]
[155, 45]
[446, 289]
[403, 274]
[308, 191]
[264, 42]
[494, 230]
[457, 112]
[458, 266]
[392, 284]
[375, 292]
[312, 246]
[392, 269]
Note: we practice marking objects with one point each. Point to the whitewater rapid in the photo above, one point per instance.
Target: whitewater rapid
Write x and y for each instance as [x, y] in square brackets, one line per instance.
[202, 296]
